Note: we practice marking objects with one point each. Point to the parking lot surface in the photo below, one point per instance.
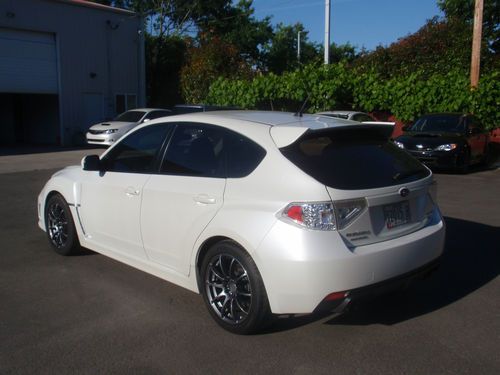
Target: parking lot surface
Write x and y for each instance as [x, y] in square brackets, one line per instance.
[89, 314]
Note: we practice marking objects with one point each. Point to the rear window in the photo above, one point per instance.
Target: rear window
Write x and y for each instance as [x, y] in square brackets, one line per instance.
[352, 159]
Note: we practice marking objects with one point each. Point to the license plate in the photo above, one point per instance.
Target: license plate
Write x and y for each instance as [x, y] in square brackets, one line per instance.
[397, 214]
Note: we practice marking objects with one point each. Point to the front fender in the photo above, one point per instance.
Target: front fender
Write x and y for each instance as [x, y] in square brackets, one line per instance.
[66, 183]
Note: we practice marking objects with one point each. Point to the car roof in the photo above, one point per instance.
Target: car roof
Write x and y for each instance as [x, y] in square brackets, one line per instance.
[284, 127]
[339, 112]
[277, 119]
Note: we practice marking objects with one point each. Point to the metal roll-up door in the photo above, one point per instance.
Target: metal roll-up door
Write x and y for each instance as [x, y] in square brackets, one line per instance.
[28, 62]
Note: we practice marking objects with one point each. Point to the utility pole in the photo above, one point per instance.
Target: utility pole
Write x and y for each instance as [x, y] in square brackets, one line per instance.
[298, 46]
[476, 44]
[327, 31]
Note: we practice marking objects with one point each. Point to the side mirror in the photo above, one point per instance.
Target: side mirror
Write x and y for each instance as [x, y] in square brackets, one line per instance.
[473, 131]
[91, 163]
[146, 120]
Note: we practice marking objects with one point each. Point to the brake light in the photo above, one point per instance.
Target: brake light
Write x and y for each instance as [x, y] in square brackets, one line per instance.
[319, 215]
[324, 215]
[336, 296]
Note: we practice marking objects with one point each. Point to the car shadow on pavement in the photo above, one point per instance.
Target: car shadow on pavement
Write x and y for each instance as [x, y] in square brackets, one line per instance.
[471, 260]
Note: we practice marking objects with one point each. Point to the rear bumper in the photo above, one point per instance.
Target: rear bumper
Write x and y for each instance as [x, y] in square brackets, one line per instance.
[372, 291]
[300, 268]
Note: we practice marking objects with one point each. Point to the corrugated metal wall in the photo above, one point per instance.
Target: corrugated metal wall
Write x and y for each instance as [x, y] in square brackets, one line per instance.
[97, 54]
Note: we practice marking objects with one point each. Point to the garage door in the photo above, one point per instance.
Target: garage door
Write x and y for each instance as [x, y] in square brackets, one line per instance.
[28, 62]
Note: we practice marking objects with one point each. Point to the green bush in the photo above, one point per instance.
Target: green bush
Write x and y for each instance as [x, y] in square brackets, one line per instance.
[337, 86]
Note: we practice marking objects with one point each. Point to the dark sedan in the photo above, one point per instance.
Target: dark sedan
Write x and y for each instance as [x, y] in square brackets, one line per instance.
[446, 140]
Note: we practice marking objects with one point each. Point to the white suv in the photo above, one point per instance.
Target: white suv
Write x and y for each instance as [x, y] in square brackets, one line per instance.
[260, 212]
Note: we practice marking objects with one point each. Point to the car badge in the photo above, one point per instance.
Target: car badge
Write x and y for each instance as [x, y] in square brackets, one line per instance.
[419, 146]
[404, 192]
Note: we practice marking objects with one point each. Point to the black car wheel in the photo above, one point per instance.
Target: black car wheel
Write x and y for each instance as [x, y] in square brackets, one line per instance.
[60, 227]
[233, 289]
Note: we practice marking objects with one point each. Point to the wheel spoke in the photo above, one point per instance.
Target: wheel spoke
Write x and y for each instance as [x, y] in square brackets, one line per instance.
[215, 285]
[219, 298]
[231, 266]
[244, 274]
[221, 266]
[238, 304]
[214, 272]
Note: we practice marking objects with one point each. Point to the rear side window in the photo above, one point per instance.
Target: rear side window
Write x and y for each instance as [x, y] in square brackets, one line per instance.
[243, 155]
[352, 159]
[204, 150]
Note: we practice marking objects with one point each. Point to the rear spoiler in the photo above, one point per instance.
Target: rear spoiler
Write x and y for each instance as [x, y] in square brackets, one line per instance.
[286, 135]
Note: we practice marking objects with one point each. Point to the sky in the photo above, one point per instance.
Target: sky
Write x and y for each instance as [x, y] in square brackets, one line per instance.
[363, 23]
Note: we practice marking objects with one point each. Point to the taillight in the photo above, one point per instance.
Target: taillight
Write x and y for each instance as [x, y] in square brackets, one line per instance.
[318, 215]
[324, 215]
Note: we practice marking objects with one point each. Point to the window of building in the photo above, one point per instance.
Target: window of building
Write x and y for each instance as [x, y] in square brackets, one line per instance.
[125, 102]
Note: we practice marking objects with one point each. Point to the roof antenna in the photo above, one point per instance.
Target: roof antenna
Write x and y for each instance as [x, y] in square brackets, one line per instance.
[306, 87]
[301, 110]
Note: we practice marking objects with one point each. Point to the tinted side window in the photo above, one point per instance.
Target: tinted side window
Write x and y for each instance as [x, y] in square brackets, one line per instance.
[137, 152]
[243, 155]
[210, 151]
[195, 150]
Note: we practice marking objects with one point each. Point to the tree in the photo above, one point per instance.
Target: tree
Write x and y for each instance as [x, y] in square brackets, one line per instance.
[236, 25]
[437, 47]
[463, 11]
[280, 53]
[212, 58]
[165, 59]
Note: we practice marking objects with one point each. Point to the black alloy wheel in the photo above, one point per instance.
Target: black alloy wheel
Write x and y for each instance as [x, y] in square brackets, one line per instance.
[233, 289]
[60, 226]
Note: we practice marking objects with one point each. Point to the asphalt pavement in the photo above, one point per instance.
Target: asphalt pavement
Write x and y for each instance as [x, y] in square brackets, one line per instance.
[89, 314]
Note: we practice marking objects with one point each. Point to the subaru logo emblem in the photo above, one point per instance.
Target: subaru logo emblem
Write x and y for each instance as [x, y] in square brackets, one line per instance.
[404, 192]
[420, 147]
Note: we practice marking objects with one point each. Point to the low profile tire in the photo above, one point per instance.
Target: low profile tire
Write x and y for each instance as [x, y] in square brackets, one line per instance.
[60, 226]
[233, 289]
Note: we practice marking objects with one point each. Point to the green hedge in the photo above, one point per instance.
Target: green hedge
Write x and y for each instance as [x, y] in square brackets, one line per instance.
[339, 87]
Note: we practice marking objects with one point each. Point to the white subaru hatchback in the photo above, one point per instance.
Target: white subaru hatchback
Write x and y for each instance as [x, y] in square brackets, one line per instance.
[260, 212]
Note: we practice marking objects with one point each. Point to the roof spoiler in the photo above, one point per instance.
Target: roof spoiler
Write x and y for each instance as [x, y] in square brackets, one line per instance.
[286, 135]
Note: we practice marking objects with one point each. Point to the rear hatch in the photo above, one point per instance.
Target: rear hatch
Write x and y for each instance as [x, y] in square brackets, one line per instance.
[379, 191]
